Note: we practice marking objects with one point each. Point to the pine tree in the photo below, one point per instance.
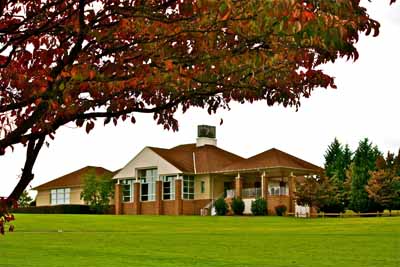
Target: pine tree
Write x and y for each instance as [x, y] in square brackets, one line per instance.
[337, 162]
[347, 157]
[333, 155]
[364, 162]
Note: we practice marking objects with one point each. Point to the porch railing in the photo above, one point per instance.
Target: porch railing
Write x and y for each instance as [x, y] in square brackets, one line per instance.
[251, 192]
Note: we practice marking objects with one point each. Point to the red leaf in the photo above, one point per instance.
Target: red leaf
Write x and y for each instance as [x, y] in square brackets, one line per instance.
[169, 65]
[89, 126]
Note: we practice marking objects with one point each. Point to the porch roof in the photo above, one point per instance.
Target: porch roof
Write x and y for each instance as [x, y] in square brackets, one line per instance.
[273, 159]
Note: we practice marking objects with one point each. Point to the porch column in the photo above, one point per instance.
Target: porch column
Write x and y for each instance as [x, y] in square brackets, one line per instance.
[158, 197]
[264, 186]
[292, 189]
[178, 196]
[238, 186]
[136, 198]
[118, 198]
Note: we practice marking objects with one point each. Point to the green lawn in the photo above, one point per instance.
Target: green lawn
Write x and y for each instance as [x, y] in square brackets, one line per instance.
[91, 240]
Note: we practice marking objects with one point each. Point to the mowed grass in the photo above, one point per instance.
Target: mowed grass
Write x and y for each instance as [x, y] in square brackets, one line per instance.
[91, 240]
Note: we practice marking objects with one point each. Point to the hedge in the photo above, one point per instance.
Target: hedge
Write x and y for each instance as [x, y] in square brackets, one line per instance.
[58, 209]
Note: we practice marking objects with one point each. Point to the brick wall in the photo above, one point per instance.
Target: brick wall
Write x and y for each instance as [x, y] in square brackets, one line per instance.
[189, 207]
[168, 207]
[193, 207]
[274, 201]
[148, 208]
[128, 208]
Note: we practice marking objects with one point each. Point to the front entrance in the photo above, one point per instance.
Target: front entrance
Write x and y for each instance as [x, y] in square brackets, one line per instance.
[227, 186]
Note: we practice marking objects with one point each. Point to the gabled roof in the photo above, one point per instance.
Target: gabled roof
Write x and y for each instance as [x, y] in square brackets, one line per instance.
[272, 158]
[192, 159]
[72, 179]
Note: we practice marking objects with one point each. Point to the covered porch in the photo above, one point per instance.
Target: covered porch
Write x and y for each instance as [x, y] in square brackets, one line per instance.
[276, 185]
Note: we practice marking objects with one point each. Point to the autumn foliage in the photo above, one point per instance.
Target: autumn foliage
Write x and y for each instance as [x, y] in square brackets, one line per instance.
[78, 61]
[5, 217]
[384, 185]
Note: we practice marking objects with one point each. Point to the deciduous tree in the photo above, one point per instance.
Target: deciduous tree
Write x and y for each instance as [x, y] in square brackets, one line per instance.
[320, 193]
[65, 61]
[384, 185]
[97, 191]
[24, 200]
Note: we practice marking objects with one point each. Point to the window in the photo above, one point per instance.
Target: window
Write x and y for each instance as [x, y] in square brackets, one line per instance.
[278, 188]
[282, 187]
[148, 186]
[188, 187]
[168, 187]
[60, 196]
[203, 187]
[127, 190]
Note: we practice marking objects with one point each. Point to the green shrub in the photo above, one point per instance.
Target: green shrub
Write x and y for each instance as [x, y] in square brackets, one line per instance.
[280, 210]
[259, 207]
[221, 207]
[237, 206]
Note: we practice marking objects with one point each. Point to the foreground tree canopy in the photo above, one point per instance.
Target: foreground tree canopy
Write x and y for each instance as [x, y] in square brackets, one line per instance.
[77, 61]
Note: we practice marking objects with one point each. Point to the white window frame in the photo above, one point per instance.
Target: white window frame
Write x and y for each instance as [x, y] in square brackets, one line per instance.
[127, 184]
[60, 196]
[148, 179]
[171, 180]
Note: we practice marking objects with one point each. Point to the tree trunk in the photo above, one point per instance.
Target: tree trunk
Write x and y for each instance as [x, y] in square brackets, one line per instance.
[32, 152]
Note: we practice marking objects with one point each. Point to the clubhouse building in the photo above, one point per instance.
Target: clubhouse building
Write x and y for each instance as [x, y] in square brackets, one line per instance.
[187, 179]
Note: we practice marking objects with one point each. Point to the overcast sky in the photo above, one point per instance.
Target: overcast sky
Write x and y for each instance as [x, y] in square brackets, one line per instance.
[366, 104]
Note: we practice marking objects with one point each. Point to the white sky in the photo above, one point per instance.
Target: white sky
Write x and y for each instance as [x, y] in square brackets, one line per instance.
[366, 104]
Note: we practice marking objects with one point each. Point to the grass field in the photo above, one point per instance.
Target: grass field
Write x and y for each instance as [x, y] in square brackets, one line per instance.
[91, 240]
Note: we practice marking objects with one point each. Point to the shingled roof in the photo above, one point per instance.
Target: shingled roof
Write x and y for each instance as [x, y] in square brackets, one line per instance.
[272, 158]
[192, 159]
[72, 179]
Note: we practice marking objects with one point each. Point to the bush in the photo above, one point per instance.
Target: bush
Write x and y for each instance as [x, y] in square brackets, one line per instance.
[221, 207]
[237, 206]
[259, 207]
[280, 210]
[332, 207]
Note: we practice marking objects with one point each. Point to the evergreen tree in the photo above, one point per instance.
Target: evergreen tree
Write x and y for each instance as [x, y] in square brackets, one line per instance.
[347, 158]
[333, 155]
[337, 163]
[364, 162]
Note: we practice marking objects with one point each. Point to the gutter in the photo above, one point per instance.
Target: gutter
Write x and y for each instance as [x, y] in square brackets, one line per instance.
[260, 169]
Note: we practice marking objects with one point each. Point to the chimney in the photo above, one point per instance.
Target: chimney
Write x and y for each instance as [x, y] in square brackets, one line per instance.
[206, 135]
